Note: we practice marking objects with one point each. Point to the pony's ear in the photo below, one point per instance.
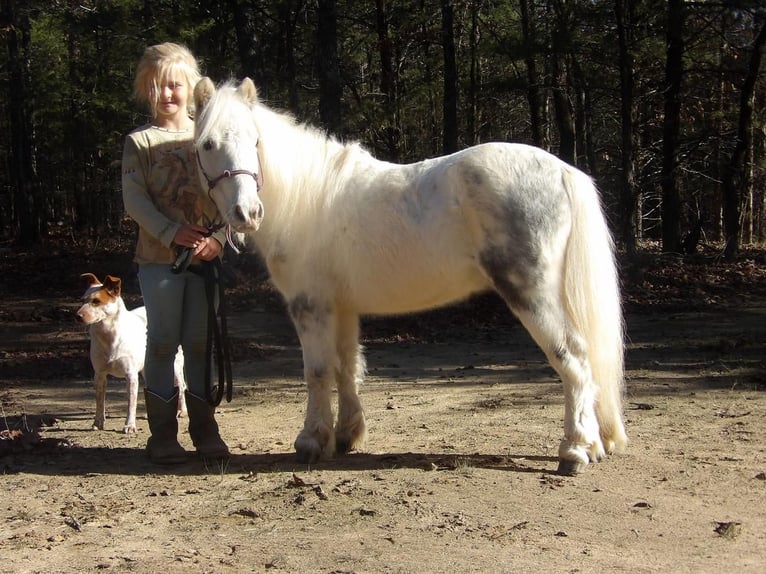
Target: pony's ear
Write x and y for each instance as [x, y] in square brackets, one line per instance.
[203, 91]
[248, 91]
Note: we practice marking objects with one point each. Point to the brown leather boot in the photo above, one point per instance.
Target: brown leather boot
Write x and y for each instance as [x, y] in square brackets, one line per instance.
[203, 429]
[162, 446]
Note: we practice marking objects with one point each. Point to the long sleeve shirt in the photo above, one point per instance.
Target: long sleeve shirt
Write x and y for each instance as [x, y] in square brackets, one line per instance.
[161, 190]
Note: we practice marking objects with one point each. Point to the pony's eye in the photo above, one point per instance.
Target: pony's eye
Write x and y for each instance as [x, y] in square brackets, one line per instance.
[208, 145]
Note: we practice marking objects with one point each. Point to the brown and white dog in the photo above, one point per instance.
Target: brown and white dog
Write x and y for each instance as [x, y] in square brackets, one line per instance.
[118, 346]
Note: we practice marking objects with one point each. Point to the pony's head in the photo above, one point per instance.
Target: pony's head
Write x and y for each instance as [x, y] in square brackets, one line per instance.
[226, 143]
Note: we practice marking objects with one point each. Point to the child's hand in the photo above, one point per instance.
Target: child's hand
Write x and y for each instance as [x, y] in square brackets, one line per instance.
[208, 249]
[199, 240]
[191, 235]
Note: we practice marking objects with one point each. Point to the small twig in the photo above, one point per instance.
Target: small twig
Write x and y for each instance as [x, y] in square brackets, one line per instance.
[72, 522]
[5, 419]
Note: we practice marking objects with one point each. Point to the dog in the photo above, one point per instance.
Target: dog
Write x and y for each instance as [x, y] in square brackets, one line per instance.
[118, 346]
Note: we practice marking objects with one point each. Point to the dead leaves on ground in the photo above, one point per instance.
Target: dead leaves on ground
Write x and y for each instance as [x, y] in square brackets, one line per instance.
[25, 433]
[667, 281]
[728, 529]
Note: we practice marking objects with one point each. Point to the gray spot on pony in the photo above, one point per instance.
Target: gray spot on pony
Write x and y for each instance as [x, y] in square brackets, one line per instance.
[419, 201]
[318, 373]
[511, 277]
[521, 229]
[513, 260]
[561, 353]
[472, 177]
[305, 313]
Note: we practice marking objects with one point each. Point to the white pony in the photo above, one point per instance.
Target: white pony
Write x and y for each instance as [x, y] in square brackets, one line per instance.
[344, 235]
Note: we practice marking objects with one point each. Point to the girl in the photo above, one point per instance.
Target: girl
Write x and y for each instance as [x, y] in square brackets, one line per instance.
[161, 193]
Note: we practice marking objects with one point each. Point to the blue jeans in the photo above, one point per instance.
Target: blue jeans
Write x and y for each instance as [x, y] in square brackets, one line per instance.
[177, 314]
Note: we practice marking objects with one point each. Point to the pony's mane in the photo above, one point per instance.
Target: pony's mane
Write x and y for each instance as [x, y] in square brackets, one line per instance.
[217, 110]
[302, 162]
[271, 123]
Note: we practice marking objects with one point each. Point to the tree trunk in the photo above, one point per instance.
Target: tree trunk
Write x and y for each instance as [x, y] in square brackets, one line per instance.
[759, 194]
[534, 97]
[585, 147]
[734, 172]
[245, 26]
[671, 200]
[628, 191]
[288, 15]
[561, 104]
[474, 84]
[450, 79]
[330, 89]
[390, 129]
[26, 200]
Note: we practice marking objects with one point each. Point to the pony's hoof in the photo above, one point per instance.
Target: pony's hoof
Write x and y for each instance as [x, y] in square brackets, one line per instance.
[570, 467]
[307, 450]
[307, 456]
[343, 446]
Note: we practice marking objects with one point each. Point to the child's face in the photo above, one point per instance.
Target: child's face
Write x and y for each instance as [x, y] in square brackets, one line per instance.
[173, 98]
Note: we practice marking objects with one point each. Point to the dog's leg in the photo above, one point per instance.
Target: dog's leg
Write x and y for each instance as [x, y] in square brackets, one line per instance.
[130, 420]
[100, 384]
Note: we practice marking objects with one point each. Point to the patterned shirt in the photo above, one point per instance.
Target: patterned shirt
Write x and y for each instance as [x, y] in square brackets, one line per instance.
[161, 190]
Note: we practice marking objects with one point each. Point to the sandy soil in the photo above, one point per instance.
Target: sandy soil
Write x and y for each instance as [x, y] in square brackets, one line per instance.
[458, 474]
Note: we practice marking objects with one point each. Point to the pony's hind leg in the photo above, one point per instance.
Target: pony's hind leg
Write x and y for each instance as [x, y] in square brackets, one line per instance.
[351, 428]
[316, 329]
[565, 349]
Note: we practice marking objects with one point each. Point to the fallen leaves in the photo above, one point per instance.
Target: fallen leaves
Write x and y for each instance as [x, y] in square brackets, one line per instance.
[729, 529]
[296, 481]
[246, 512]
[670, 282]
[25, 433]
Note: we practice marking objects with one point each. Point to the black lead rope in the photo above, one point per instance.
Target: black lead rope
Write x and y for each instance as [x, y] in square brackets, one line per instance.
[218, 344]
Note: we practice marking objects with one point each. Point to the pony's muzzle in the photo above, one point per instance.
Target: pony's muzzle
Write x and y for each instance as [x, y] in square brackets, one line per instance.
[248, 218]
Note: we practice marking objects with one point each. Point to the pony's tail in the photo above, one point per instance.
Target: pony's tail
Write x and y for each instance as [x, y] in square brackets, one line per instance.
[593, 302]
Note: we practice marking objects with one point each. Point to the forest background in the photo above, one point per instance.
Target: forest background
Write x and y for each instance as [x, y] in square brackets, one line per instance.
[662, 101]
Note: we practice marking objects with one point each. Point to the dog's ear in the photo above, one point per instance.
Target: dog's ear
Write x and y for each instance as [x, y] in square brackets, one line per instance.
[91, 279]
[113, 285]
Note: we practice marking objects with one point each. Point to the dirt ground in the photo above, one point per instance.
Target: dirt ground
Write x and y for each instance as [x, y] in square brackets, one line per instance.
[458, 475]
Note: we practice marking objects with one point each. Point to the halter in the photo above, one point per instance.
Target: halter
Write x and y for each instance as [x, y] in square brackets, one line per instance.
[227, 173]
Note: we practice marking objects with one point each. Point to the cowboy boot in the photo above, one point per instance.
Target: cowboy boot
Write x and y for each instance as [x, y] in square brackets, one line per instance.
[162, 446]
[203, 429]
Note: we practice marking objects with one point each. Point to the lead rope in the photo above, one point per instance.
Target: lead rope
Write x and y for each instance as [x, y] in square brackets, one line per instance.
[218, 345]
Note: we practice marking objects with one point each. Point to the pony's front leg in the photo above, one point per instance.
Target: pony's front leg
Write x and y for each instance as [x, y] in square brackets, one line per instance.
[351, 429]
[316, 330]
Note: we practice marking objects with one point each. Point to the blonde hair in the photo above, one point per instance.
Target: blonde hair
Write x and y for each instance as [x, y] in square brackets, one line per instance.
[162, 63]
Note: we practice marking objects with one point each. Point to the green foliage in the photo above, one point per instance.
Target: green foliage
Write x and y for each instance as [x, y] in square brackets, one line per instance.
[83, 56]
